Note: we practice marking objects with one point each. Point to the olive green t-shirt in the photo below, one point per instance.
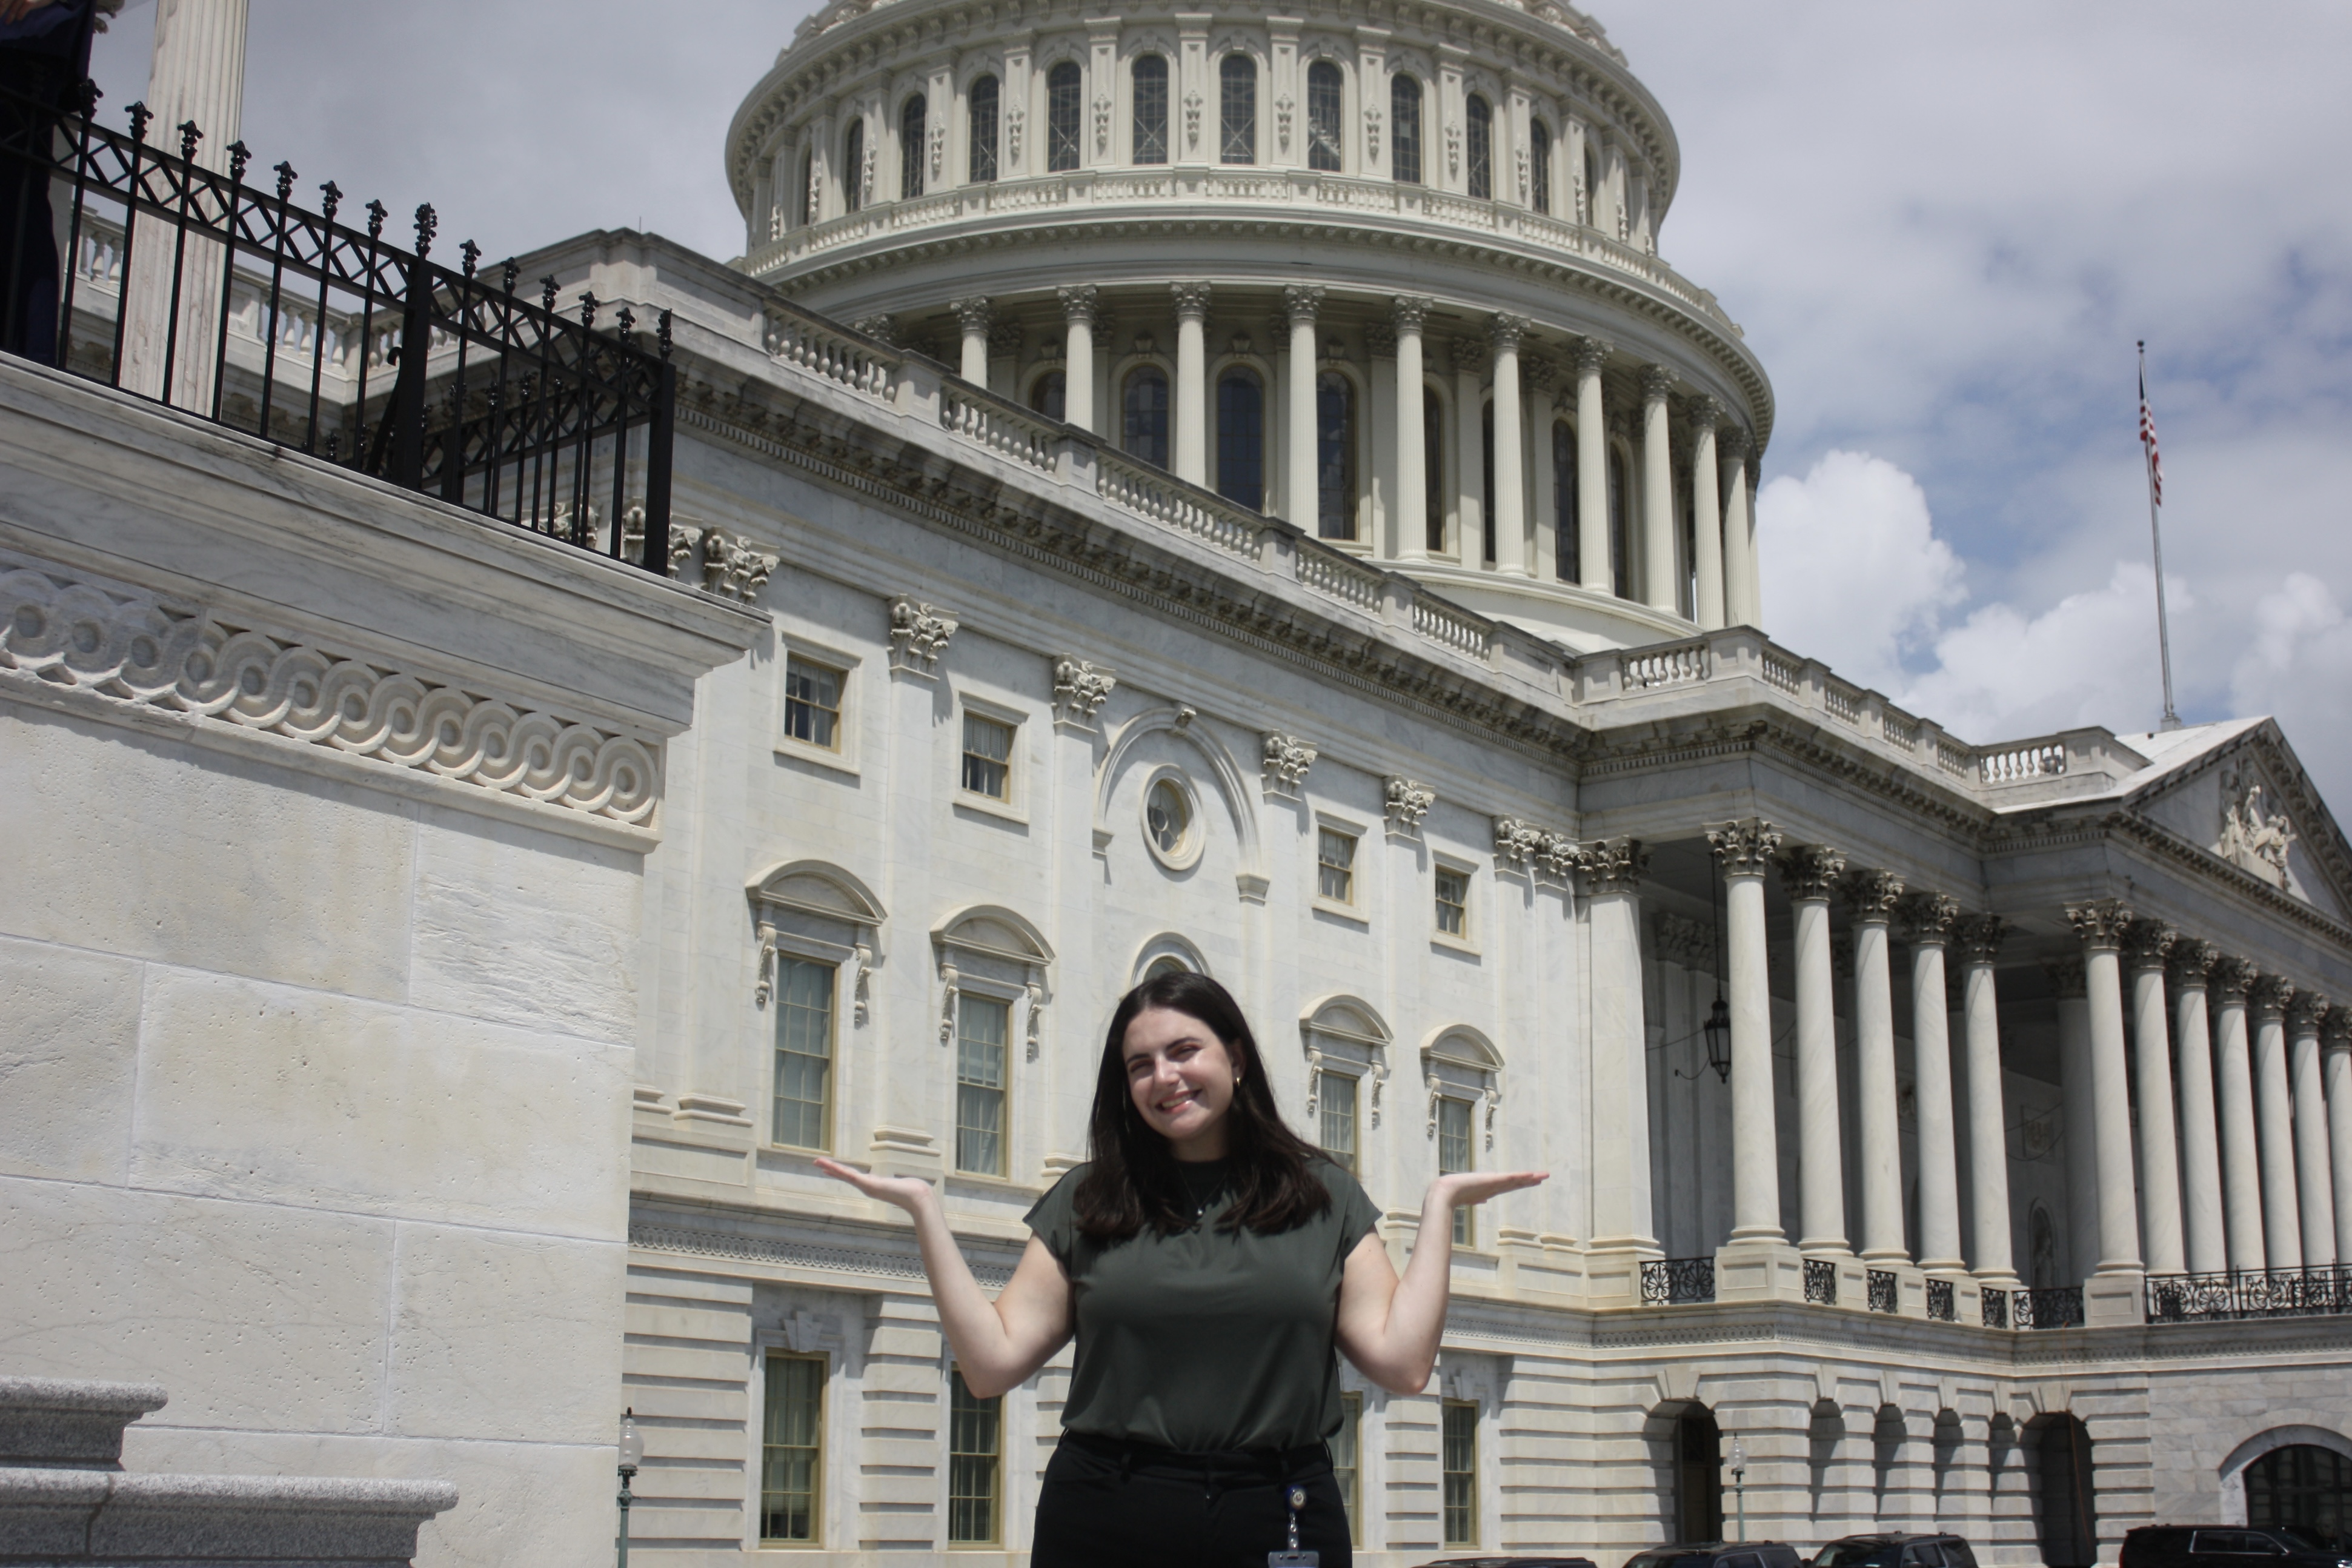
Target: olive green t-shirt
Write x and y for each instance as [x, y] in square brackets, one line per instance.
[1207, 1341]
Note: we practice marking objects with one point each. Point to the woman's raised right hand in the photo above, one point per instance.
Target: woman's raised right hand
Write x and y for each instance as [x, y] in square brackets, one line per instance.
[900, 1191]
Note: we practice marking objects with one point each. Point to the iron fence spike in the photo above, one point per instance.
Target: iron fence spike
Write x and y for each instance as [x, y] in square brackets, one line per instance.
[286, 177]
[663, 332]
[190, 139]
[377, 212]
[239, 155]
[428, 222]
[139, 115]
[331, 196]
[473, 255]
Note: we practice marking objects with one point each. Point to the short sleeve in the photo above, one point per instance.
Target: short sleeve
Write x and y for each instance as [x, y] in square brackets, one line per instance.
[1358, 1216]
[1052, 1217]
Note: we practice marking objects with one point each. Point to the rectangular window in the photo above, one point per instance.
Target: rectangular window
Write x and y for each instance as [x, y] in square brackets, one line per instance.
[1237, 109]
[987, 757]
[1335, 866]
[792, 1449]
[1347, 1462]
[1453, 901]
[804, 1052]
[1454, 1153]
[983, 1024]
[1150, 78]
[975, 1466]
[1461, 1446]
[1336, 1107]
[812, 702]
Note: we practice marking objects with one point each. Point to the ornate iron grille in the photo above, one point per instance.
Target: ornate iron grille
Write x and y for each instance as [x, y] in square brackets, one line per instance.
[1942, 1306]
[2249, 1293]
[1821, 1281]
[1882, 1290]
[195, 290]
[2051, 1307]
[1678, 1281]
[1996, 1308]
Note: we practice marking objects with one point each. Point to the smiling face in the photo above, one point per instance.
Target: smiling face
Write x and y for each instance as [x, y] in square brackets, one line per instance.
[1180, 1078]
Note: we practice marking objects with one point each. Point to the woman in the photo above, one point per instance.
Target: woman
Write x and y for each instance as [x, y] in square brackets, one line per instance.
[1210, 1261]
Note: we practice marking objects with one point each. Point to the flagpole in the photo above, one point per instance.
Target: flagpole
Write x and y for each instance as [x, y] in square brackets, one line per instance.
[2156, 534]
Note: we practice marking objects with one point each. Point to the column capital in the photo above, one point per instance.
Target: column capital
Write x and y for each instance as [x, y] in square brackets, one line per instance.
[1467, 356]
[1746, 847]
[1191, 301]
[1612, 865]
[2066, 978]
[1407, 312]
[1004, 338]
[1592, 355]
[1810, 871]
[1657, 383]
[973, 313]
[1928, 918]
[1732, 440]
[2192, 960]
[1380, 339]
[1080, 302]
[1978, 937]
[2335, 1029]
[1872, 895]
[1704, 412]
[2146, 944]
[2305, 1011]
[1301, 301]
[2230, 978]
[1504, 332]
[2269, 995]
[1542, 376]
[2099, 924]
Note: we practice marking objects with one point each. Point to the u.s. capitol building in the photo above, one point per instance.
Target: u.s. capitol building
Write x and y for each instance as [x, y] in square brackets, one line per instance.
[1241, 494]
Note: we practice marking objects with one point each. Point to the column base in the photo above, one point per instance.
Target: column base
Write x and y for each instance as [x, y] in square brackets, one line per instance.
[1759, 1270]
[2115, 1298]
[1613, 1272]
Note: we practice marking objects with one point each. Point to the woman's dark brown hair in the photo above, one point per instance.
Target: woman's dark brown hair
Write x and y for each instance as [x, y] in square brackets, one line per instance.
[1134, 1180]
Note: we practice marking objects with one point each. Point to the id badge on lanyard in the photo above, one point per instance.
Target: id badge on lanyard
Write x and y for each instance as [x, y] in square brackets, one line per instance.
[1295, 1558]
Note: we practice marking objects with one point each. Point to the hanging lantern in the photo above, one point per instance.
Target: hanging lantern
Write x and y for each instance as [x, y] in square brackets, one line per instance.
[1718, 1039]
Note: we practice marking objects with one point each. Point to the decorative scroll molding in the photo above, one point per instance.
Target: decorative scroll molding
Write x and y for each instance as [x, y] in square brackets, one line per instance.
[1811, 871]
[1283, 107]
[1102, 123]
[1406, 802]
[1080, 302]
[1872, 895]
[1284, 761]
[918, 635]
[1408, 312]
[1744, 847]
[2147, 944]
[184, 659]
[1080, 688]
[1301, 301]
[1928, 918]
[2100, 924]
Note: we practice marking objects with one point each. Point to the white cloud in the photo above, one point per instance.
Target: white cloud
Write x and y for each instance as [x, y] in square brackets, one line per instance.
[1854, 573]
[2297, 666]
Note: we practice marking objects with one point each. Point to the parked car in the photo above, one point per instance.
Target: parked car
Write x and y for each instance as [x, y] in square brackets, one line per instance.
[1892, 1549]
[1511, 1563]
[2234, 1546]
[1720, 1554]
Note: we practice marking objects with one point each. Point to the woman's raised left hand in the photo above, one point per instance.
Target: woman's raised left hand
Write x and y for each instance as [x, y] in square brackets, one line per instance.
[1467, 1188]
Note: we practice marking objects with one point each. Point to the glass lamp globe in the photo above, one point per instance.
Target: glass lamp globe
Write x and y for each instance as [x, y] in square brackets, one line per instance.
[633, 1446]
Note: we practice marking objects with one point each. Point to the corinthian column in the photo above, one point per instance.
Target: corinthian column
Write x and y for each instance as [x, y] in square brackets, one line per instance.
[1808, 873]
[2081, 1114]
[1593, 569]
[1409, 505]
[1299, 302]
[1740, 595]
[973, 316]
[1078, 307]
[1872, 895]
[1744, 848]
[2241, 1178]
[2206, 1239]
[2314, 1193]
[1927, 922]
[1612, 869]
[2275, 1123]
[1470, 498]
[1706, 495]
[2146, 943]
[2335, 1043]
[1191, 382]
[1978, 939]
[2100, 926]
[1659, 589]
[1511, 498]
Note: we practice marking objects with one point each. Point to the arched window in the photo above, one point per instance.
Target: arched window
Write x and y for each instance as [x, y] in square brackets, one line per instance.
[1241, 438]
[1323, 110]
[1146, 402]
[807, 197]
[1591, 187]
[983, 99]
[853, 167]
[1563, 502]
[1404, 129]
[910, 148]
[1686, 590]
[1620, 564]
[1062, 116]
[1237, 109]
[1540, 165]
[1150, 134]
[1482, 147]
[1049, 394]
[1486, 454]
[2301, 1487]
[1335, 456]
[1432, 460]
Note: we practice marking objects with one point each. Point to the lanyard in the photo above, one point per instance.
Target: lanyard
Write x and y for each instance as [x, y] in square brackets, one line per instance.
[1295, 1558]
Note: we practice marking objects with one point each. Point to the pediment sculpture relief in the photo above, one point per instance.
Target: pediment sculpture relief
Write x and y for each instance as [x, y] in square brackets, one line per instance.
[2253, 837]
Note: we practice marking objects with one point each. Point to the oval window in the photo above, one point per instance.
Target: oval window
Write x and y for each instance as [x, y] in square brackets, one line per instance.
[1168, 816]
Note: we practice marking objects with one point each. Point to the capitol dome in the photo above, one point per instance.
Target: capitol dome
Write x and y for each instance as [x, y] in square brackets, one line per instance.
[1316, 265]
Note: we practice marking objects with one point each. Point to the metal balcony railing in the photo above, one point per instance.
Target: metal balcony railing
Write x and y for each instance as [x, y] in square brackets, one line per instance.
[1678, 1281]
[2051, 1306]
[2249, 1293]
[1881, 1284]
[1943, 1305]
[1821, 1281]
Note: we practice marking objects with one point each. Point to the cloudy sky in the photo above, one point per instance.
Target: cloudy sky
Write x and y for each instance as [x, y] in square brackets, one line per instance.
[1942, 225]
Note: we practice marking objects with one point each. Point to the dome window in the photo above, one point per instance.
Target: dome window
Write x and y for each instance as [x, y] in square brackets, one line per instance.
[1335, 456]
[853, 167]
[1237, 105]
[1062, 95]
[1241, 438]
[1482, 148]
[1540, 165]
[982, 98]
[1323, 109]
[1150, 130]
[910, 148]
[1404, 132]
[1145, 408]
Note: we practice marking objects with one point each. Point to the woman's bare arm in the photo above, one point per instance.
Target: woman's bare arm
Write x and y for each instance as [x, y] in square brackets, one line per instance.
[1390, 1327]
[997, 1343]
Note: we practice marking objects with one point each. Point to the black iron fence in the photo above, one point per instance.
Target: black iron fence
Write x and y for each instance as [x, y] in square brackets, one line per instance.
[2050, 1307]
[1881, 1284]
[2249, 1293]
[190, 286]
[1943, 1303]
[1993, 1307]
[1821, 1281]
[1678, 1281]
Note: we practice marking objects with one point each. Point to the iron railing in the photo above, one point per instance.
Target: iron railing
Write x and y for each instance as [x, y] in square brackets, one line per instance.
[1883, 1297]
[1943, 1303]
[1678, 1281]
[2050, 1307]
[1821, 1281]
[189, 287]
[1995, 1308]
[2249, 1293]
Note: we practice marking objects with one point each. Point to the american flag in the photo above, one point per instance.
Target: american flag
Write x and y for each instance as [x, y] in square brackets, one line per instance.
[2148, 439]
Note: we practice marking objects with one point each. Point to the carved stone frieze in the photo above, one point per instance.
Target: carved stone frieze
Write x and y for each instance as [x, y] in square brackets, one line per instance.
[1744, 847]
[882, 328]
[2147, 944]
[1080, 688]
[2100, 924]
[1872, 895]
[918, 635]
[1406, 801]
[141, 652]
[1811, 871]
[1978, 938]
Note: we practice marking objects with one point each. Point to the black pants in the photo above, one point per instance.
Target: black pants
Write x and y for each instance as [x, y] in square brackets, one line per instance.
[30, 85]
[1116, 1505]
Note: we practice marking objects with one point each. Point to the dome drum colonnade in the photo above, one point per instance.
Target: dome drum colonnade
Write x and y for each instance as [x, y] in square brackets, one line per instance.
[1607, 462]
[2222, 1145]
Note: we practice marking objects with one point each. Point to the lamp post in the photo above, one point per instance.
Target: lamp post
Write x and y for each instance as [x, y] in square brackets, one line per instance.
[633, 1450]
[1739, 1482]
